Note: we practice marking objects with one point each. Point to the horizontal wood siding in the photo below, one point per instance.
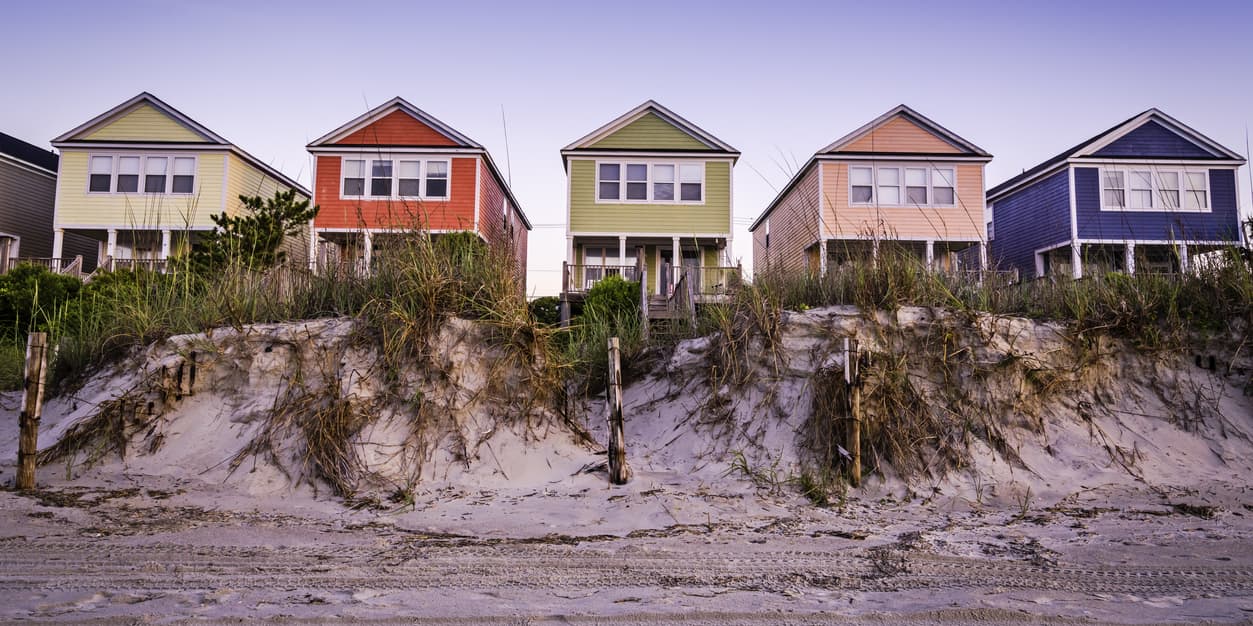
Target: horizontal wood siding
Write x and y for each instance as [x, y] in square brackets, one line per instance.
[1036, 216]
[492, 220]
[1221, 223]
[456, 213]
[902, 136]
[650, 132]
[145, 123]
[245, 179]
[26, 201]
[711, 217]
[962, 222]
[396, 129]
[138, 210]
[793, 228]
[1152, 140]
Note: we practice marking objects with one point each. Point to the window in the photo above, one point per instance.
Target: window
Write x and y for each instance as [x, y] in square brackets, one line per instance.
[915, 185]
[889, 186]
[128, 174]
[437, 179]
[691, 182]
[637, 181]
[101, 177]
[184, 175]
[154, 174]
[1196, 198]
[1114, 190]
[609, 176]
[650, 182]
[767, 233]
[381, 178]
[663, 182]
[354, 177]
[943, 181]
[409, 183]
[1168, 189]
[862, 179]
[1152, 189]
[991, 231]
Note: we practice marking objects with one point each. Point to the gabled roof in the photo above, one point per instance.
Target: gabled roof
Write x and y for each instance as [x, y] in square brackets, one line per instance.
[651, 106]
[387, 108]
[1094, 144]
[28, 153]
[917, 118]
[74, 136]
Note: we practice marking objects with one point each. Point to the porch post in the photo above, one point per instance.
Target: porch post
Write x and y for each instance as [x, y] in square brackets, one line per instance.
[58, 243]
[1076, 260]
[621, 250]
[676, 260]
[983, 256]
[1183, 258]
[822, 256]
[930, 254]
[110, 246]
[570, 250]
[313, 248]
[1129, 258]
[367, 248]
[165, 244]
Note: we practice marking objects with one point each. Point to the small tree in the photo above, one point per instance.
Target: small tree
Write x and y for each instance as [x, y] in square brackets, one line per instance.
[253, 239]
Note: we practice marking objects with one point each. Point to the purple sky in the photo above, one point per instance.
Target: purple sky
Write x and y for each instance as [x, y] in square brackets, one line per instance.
[776, 80]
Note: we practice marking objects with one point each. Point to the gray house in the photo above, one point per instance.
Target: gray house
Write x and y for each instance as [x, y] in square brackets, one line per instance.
[28, 182]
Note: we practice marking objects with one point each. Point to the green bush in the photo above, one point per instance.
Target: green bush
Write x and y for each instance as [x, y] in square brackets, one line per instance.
[613, 299]
[546, 310]
[33, 299]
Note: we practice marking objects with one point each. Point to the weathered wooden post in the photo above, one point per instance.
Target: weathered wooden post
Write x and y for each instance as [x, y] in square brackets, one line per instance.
[32, 408]
[852, 378]
[618, 472]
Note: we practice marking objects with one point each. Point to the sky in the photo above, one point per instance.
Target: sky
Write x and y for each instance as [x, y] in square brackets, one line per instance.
[776, 80]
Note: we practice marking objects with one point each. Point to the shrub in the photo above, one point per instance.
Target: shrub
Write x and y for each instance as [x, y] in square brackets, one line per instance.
[546, 310]
[33, 299]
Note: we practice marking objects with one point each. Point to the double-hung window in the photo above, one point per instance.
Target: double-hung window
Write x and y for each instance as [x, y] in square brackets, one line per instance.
[184, 180]
[128, 174]
[1141, 196]
[354, 177]
[381, 178]
[436, 179]
[889, 186]
[861, 180]
[1197, 196]
[1114, 189]
[650, 182]
[1168, 189]
[100, 176]
[409, 177]
[154, 174]
[916, 185]
[902, 186]
[943, 186]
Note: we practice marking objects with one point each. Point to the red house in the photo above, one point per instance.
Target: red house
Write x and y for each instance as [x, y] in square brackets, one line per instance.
[397, 169]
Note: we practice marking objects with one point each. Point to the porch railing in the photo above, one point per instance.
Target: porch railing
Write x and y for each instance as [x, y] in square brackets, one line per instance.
[714, 280]
[52, 264]
[154, 265]
[581, 278]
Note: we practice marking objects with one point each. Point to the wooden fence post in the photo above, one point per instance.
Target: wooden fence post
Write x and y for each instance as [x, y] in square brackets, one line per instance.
[32, 408]
[852, 378]
[618, 472]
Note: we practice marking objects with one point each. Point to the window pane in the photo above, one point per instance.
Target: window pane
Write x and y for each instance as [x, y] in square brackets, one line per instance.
[156, 165]
[690, 192]
[437, 169]
[1168, 180]
[691, 172]
[942, 177]
[182, 183]
[1113, 180]
[916, 195]
[436, 187]
[154, 184]
[1141, 180]
[636, 191]
[127, 165]
[609, 191]
[1194, 200]
[889, 176]
[863, 194]
[381, 186]
[101, 165]
[609, 171]
[1141, 199]
[861, 176]
[184, 166]
[916, 177]
[1196, 181]
[889, 195]
[409, 187]
[409, 169]
[663, 191]
[1170, 198]
[1114, 198]
[637, 172]
[944, 195]
[126, 183]
[354, 186]
[99, 182]
[381, 169]
[354, 168]
[663, 173]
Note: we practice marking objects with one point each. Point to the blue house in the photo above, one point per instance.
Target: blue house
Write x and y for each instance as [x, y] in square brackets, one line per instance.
[1146, 194]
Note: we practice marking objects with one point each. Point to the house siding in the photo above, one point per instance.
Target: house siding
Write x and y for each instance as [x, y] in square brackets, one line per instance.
[793, 228]
[961, 222]
[1221, 223]
[1034, 217]
[145, 123]
[26, 199]
[649, 132]
[397, 128]
[492, 225]
[245, 179]
[456, 213]
[1152, 140]
[900, 135]
[712, 217]
[78, 208]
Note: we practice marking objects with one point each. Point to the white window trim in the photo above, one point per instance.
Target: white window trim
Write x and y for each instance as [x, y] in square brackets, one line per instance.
[369, 160]
[678, 193]
[900, 184]
[143, 157]
[1156, 171]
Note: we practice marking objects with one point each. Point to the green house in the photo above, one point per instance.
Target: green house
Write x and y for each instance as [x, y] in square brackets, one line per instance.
[648, 197]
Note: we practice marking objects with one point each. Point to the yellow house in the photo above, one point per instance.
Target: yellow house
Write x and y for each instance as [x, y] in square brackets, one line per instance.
[142, 179]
